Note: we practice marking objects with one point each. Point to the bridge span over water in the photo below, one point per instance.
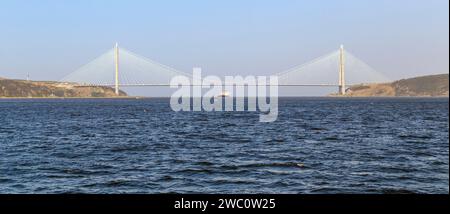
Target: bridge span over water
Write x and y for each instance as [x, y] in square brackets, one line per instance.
[120, 68]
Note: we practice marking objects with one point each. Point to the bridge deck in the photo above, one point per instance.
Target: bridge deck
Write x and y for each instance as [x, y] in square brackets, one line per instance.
[168, 85]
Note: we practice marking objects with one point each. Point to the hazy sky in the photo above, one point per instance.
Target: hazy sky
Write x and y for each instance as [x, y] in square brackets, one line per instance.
[51, 38]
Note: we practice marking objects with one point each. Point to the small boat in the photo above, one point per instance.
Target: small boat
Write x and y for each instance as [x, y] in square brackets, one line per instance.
[223, 94]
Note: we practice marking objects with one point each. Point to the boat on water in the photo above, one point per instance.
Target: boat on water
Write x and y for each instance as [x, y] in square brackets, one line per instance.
[224, 93]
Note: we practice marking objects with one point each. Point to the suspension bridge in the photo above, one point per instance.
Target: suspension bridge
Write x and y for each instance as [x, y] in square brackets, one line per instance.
[120, 68]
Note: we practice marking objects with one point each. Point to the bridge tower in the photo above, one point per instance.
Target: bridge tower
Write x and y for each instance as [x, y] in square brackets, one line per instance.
[342, 71]
[116, 63]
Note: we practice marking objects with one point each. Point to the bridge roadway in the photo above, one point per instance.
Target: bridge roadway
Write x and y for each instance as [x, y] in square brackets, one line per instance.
[168, 85]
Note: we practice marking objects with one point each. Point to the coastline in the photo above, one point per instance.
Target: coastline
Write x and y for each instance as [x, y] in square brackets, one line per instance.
[71, 98]
[415, 97]
[141, 97]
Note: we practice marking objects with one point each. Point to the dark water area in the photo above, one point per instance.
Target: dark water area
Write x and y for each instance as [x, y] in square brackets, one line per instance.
[317, 145]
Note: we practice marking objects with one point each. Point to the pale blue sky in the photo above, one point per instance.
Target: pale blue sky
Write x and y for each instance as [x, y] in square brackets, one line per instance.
[51, 38]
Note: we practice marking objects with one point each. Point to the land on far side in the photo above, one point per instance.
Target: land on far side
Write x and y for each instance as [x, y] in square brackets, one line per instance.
[424, 86]
[46, 89]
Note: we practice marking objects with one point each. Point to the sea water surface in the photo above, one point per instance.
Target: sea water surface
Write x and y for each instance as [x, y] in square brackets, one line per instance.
[317, 145]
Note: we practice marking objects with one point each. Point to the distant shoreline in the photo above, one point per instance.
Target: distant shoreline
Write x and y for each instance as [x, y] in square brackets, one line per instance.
[432, 86]
[24, 89]
[431, 97]
[64, 98]
[423, 86]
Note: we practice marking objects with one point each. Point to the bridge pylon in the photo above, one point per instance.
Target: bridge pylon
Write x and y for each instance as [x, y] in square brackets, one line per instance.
[342, 86]
[116, 63]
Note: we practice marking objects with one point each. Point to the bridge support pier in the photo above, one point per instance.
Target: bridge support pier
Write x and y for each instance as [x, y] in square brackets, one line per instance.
[342, 87]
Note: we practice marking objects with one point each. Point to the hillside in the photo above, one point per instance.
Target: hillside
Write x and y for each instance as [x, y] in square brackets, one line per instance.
[425, 86]
[36, 89]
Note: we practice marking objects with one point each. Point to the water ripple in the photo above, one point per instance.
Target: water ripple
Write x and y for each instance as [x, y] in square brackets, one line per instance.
[318, 145]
